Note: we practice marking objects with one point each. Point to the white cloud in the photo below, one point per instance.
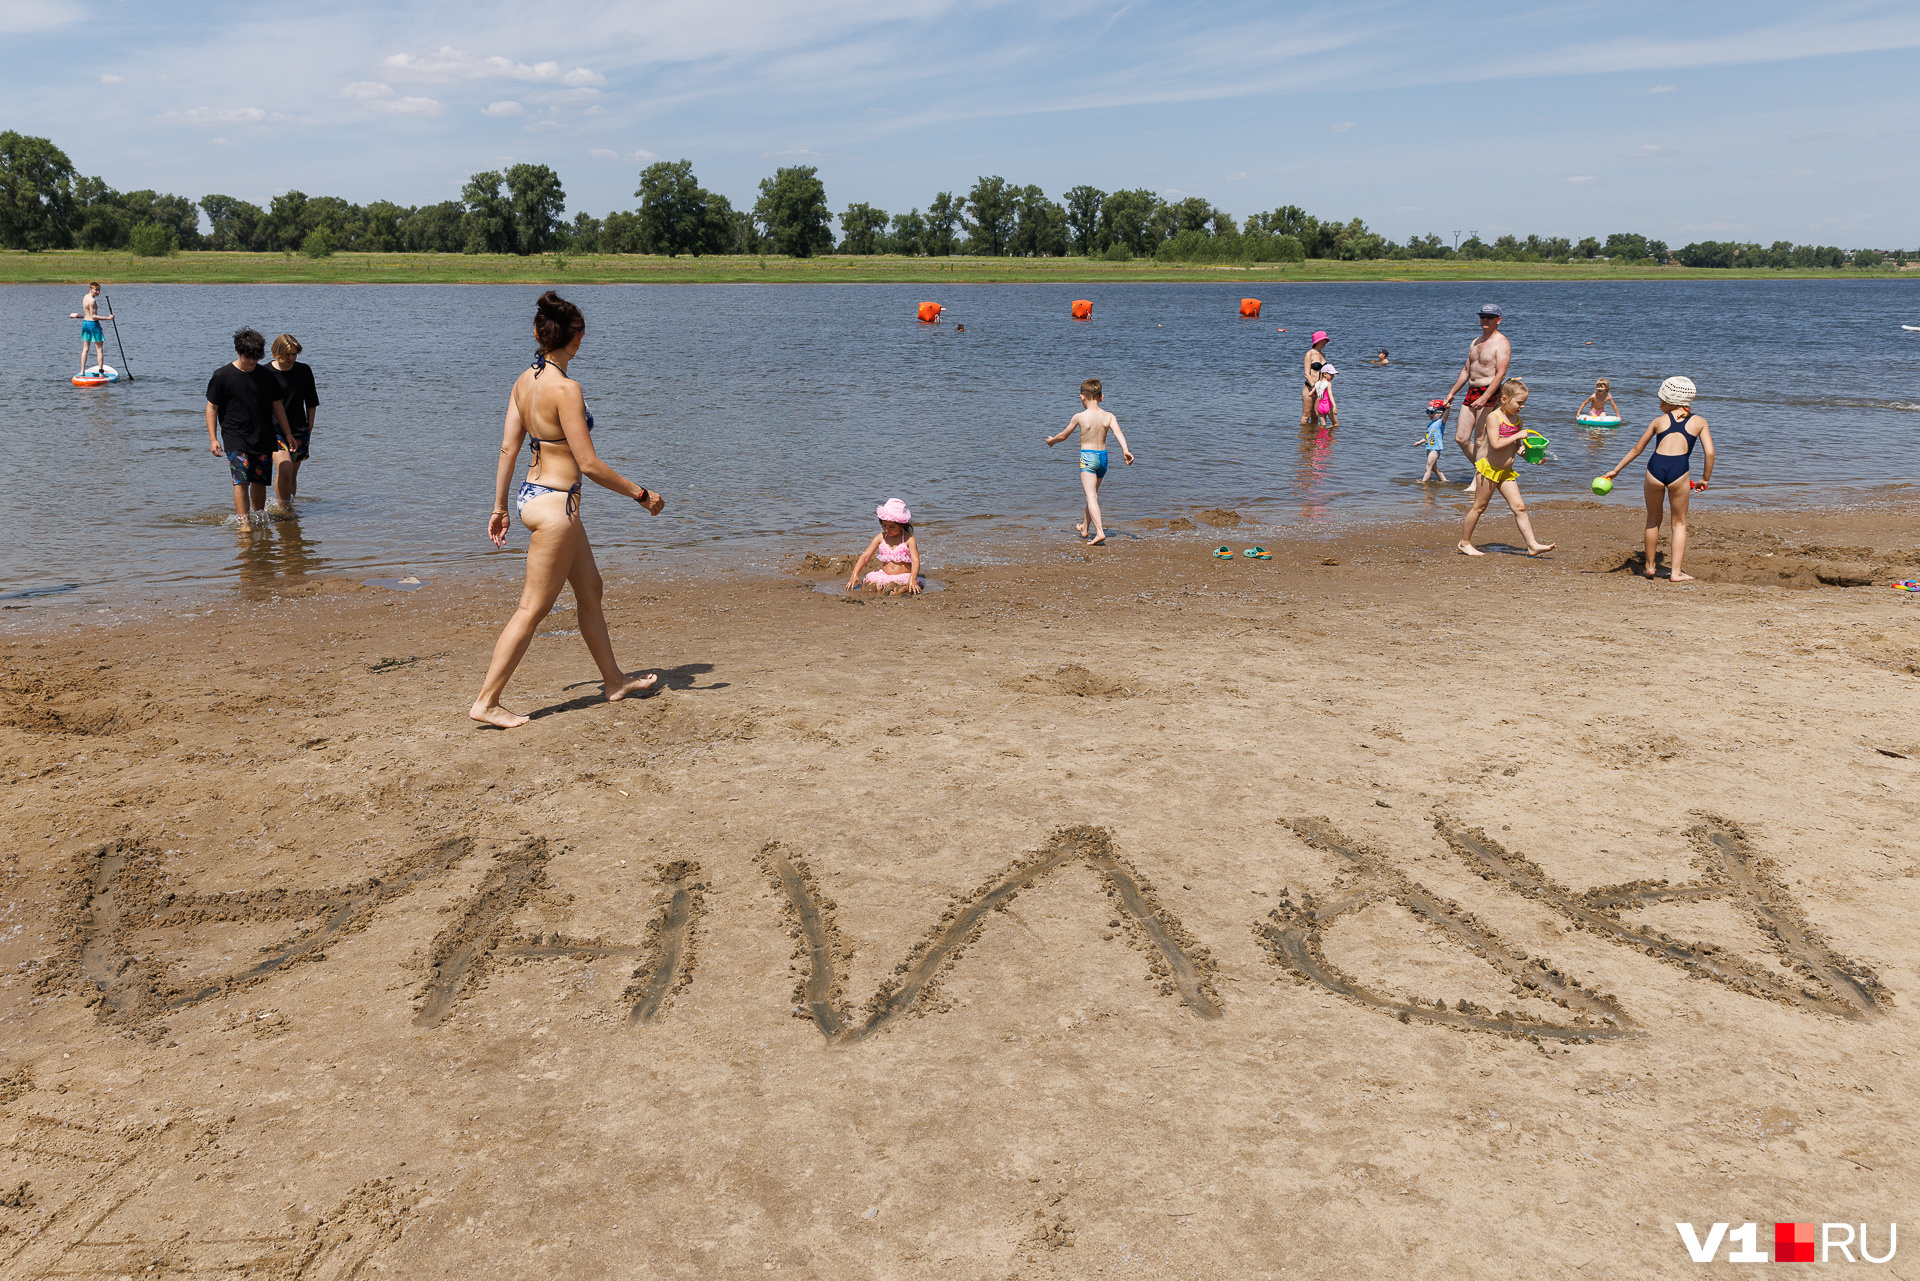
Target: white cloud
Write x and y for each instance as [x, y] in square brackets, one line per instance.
[110, 79]
[1649, 149]
[213, 116]
[1340, 128]
[502, 109]
[643, 155]
[601, 153]
[1579, 178]
[596, 110]
[375, 96]
[544, 126]
[1236, 177]
[1661, 89]
[448, 63]
[798, 153]
[36, 15]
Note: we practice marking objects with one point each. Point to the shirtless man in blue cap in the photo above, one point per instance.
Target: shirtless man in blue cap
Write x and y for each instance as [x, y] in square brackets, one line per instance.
[1484, 371]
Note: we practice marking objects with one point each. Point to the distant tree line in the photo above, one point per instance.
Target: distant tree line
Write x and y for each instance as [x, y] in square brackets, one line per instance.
[45, 204]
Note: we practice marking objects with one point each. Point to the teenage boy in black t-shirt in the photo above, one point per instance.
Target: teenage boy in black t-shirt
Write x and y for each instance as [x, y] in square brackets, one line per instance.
[243, 413]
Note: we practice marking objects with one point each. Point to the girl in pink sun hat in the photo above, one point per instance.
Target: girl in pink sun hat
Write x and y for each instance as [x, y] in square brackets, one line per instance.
[897, 554]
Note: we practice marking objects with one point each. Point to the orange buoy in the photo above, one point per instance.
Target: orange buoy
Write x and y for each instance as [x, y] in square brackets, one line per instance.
[1082, 309]
[1250, 307]
[930, 312]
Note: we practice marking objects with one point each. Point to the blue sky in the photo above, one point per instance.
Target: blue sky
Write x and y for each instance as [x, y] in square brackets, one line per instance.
[1755, 121]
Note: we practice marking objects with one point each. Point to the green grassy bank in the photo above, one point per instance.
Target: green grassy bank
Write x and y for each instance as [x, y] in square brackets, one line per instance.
[76, 266]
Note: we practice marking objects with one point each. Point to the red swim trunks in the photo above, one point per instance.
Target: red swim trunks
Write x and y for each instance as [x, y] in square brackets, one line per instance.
[1474, 394]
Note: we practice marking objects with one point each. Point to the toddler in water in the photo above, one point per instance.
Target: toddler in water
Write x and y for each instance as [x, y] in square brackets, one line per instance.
[1436, 421]
[1504, 436]
[1323, 402]
[894, 549]
[1595, 406]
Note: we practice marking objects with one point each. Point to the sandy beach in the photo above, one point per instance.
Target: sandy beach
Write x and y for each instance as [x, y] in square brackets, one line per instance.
[1365, 912]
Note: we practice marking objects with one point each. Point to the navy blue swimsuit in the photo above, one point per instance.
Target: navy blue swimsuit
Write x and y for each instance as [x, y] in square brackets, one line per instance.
[1667, 468]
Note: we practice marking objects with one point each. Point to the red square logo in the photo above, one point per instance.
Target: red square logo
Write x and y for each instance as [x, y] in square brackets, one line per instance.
[1793, 1243]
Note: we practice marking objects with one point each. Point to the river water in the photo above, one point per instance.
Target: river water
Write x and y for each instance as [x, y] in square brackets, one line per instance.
[775, 418]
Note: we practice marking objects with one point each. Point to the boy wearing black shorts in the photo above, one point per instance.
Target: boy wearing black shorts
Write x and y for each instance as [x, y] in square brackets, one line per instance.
[244, 417]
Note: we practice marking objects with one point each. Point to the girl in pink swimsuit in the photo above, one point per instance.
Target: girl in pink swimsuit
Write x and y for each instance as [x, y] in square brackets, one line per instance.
[894, 550]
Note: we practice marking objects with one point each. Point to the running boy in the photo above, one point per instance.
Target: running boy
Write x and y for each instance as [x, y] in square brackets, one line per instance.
[1504, 435]
[92, 337]
[1093, 423]
[244, 414]
[1436, 422]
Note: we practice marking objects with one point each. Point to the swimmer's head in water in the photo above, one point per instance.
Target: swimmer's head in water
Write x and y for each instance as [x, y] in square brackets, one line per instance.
[556, 322]
[286, 347]
[1092, 389]
[249, 343]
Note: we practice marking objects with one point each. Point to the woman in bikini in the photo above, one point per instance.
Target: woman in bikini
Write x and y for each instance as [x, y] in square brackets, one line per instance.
[547, 409]
[1669, 469]
[1310, 367]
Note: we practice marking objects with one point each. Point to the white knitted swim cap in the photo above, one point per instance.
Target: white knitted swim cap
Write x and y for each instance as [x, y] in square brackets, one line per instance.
[1678, 391]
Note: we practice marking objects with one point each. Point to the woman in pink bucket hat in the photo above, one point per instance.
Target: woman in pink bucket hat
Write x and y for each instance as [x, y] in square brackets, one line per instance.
[893, 547]
[1310, 368]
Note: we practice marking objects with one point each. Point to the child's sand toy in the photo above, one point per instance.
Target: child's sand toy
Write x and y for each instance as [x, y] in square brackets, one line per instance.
[1907, 585]
[1602, 486]
[1534, 448]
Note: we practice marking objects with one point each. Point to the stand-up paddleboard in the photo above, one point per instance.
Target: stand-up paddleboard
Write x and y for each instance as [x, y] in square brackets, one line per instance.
[107, 374]
[1911, 328]
[1586, 421]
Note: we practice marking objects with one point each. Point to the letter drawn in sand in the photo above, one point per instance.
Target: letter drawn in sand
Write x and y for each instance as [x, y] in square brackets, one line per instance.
[1176, 964]
[1293, 934]
[464, 953]
[1825, 981]
[115, 896]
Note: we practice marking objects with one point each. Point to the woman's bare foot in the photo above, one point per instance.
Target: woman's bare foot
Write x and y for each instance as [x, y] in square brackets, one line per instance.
[1652, 572]
[1543, 547]
[1677, 577]
[497, 715]
[1081, 529]
[1101, 539]
[638, 685]
[1466, 548]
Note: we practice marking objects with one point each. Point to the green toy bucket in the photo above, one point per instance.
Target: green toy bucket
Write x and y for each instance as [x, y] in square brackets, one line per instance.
[1602, 486]
[1535, 448]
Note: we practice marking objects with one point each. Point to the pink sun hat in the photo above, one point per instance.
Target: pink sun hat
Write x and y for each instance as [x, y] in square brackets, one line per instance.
[894, 510]
[1319, 335]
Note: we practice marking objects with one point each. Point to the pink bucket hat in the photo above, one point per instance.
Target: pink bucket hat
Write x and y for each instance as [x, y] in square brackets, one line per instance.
[894, 510]
[1319, 335]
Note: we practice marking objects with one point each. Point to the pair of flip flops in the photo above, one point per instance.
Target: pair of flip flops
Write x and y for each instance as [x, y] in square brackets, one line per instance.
[1224, 552]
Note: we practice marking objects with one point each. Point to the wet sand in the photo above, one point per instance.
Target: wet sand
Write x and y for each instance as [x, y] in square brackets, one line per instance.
[1368, 911]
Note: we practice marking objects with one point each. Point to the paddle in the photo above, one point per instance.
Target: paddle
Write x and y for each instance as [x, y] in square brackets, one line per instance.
[116, 338]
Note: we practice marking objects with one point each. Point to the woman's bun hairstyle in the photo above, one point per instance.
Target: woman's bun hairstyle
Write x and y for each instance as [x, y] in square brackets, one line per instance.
[556, 322]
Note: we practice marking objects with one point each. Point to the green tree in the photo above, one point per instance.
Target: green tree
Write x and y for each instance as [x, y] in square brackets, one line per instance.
[381, 227]
[1624, 246]
[36, 193]
[99, 219]
[488, 224]
[535, 201]
[673, 208]
[909, 233]
[317, 243]
[1127, 220]
[792, 210]
[1083, 219]
[1868, 258]
[988, 217]
[1040, 225]
[177, 214]
[583, 237]
[942, 215]
[151, 240]
[1428, 246]
[283, 227]
[621, 233]
[1707, 253]
[236, 223]
[435, 229]
[862, 228]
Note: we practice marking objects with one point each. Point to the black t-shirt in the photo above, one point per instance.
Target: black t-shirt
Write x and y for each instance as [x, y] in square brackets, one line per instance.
[245, 402]
[296, 393]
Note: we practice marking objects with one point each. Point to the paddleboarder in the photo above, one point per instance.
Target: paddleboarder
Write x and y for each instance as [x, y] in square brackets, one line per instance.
[91, 335]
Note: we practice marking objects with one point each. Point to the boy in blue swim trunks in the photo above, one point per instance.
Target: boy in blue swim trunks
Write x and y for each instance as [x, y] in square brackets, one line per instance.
[92, 338]
[1436, 423]
[1093, 423]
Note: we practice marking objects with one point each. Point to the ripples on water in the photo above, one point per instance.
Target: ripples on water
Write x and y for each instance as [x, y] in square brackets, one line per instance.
[776, 417]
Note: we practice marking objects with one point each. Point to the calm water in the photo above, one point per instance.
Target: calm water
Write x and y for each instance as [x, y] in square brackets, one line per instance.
[777, 417]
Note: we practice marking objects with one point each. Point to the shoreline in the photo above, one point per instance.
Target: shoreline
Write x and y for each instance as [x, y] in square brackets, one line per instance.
[68, 266]
[1803, 535]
